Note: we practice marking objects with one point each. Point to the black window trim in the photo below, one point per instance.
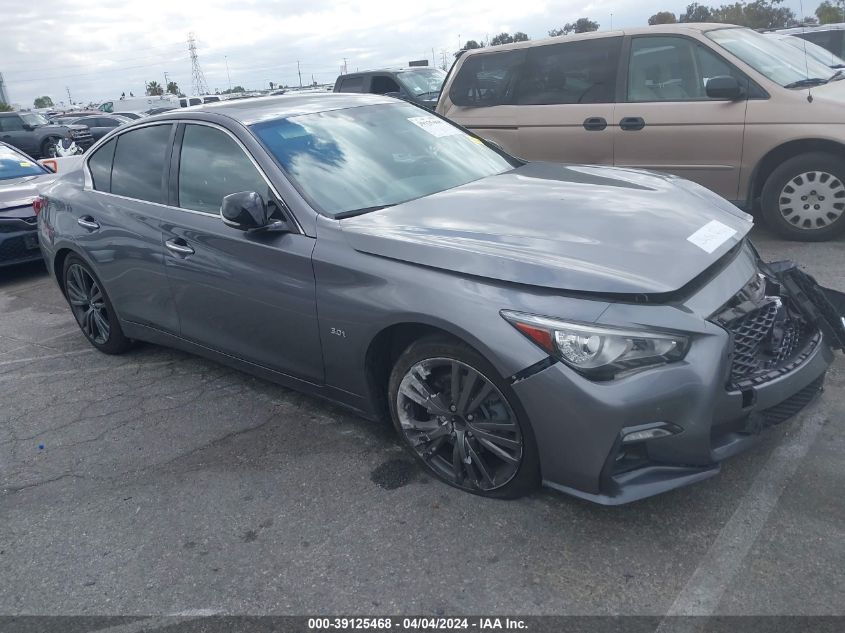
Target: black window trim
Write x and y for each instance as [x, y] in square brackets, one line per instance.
[622, 78]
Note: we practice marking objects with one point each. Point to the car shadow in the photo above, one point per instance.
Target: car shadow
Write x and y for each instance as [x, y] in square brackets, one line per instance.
[22, 272]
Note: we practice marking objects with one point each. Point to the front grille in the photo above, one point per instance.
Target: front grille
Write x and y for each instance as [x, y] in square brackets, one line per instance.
[765, 339]
[792, 405]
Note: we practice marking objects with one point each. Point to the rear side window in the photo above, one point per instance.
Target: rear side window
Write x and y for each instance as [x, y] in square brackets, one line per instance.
[572, 72]
[100, 166]
[830, 40]
[352, 84]
[487, 79]
[139, 163]
[211, 166]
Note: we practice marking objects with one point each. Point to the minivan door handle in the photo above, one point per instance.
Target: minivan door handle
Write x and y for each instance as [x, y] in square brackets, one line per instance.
[179, 246]
[595, 124]
[87, 222]
[632, 123]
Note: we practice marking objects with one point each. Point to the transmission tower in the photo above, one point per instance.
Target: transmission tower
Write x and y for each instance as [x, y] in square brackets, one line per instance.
[198, 85]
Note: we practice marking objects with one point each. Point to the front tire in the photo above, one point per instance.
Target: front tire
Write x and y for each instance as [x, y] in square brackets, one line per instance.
[92, 307]
[804, 198]
[48, 147]
[462, 421]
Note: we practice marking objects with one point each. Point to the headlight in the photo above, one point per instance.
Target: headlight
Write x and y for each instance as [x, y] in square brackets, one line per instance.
[599, 351]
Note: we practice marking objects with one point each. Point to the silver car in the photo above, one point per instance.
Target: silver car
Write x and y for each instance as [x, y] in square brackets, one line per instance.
[608, 332]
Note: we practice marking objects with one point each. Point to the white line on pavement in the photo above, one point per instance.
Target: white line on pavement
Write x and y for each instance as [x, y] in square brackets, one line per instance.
[704, 589]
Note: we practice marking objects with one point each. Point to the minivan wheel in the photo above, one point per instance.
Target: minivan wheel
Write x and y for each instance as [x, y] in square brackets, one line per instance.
[92, 308]
[804, 198]
[462, 421]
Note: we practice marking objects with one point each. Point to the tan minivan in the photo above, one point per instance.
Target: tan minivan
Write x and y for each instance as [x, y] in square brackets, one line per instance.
[742, 114]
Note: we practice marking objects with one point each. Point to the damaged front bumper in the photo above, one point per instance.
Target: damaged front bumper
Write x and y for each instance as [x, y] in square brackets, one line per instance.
[713, 405]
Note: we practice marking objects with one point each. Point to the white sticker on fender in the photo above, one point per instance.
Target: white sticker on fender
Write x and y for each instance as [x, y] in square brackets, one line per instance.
[711, 236]
[434, 126]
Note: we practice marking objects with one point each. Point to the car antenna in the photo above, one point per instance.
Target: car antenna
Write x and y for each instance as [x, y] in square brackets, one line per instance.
[804, 46]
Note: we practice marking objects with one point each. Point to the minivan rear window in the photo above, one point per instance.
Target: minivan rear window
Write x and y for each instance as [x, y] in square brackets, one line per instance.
[487, 79]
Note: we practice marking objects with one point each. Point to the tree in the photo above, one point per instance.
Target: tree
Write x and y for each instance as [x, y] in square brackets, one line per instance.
[828, 13]
[760, 14]
[581, 25]
[234, 90]
[696, 13]
[172, 88]
[43, 102]
[501, 38]
[154, 89]
[519, 36]
[471, 44]
[5, 107]
[662, 17]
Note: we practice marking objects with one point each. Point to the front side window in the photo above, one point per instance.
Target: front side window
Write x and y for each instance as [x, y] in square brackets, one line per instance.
[672, 69]
[573, 72]
[487, 79]
[780, 62]
[352, 84]
[11, 124]
[139, 163]
[353, 160]
[211, 166]
[16, 165]
[100, 166]
[382, 84]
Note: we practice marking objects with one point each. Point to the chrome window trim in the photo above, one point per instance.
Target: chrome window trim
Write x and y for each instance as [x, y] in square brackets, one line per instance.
[89, 181]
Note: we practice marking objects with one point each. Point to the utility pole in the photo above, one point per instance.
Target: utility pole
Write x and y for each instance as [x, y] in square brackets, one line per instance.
[611, 20]
[299, 72]
[68, 95]
[228, 77]
[344, 66]
[166, 82]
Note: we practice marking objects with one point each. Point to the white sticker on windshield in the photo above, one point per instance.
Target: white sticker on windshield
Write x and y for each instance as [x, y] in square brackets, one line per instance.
[434, 126]
[711, 236]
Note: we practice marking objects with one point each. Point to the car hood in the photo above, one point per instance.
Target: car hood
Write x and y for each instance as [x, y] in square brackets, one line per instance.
[18, 193]
[567, 227]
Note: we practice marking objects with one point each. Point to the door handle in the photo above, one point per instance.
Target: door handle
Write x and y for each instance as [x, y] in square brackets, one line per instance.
[179, 246]
[595, 123]
[632, 123]
[89, 223]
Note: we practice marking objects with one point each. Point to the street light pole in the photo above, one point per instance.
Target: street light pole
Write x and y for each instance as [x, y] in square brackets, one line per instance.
[229, 78]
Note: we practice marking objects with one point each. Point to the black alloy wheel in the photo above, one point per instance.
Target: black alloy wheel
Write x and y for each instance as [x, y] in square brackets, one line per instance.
[91, 308]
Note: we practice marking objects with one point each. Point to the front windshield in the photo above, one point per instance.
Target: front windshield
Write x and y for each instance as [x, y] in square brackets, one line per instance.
[423, 82]
[33, 118]
[357, 159]
[776, 60]
[820, 54]
[15, 165]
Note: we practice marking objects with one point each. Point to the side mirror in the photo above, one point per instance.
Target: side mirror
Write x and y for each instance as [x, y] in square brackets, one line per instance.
[724, 87]
[247, 211]
[28, 127]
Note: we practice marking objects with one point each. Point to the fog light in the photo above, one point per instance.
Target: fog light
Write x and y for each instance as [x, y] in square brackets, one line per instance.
[644, 432]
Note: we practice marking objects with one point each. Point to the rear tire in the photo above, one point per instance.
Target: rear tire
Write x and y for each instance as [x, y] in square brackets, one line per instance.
[472, 432]
[803, 199]
[92, 308]
[48, 147]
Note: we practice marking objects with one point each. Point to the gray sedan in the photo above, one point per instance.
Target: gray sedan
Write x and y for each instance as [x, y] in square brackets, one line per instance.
[609, 333]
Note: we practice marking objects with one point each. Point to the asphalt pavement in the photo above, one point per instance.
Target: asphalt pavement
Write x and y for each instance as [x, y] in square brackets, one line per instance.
[160, 483]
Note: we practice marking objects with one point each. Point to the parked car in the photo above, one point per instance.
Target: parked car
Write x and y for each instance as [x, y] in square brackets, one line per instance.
[420, 85]
[129, 115]
[724, 106]
[34, 135]
[609, 332]
[828, 36]
[20, 177]
[138, 105]
[814, 51]
[102, 124]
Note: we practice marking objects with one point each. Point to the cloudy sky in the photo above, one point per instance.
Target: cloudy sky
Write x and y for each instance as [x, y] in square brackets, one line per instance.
[100, 48]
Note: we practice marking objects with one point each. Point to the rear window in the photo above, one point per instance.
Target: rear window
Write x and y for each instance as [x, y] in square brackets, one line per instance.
[15, 165]
[352, 84]
[487, 79]
[139, 162]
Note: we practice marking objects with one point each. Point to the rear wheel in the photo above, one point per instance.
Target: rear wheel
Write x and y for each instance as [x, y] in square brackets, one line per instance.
[92, 308]
[48, 147]
[462, 421]
[804, 198]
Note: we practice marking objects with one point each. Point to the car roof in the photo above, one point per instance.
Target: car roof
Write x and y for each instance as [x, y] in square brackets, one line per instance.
[835, 26]
[658, 29]
[255, 109]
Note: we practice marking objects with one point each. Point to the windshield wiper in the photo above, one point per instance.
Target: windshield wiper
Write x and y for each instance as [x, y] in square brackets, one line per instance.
[837, 75]
[430, 92]
[354, 212]
[806, 83]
